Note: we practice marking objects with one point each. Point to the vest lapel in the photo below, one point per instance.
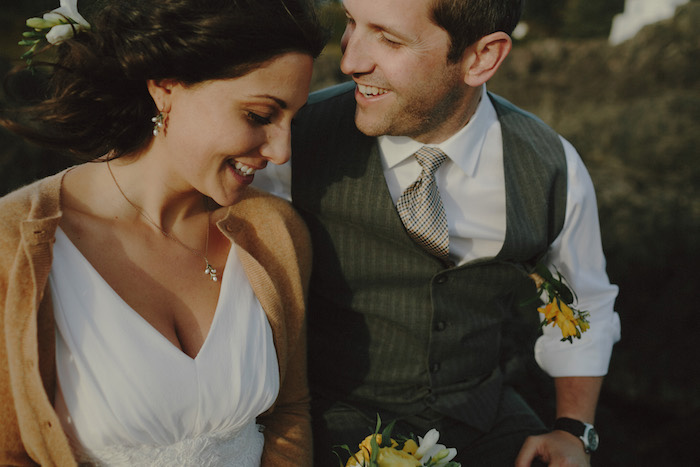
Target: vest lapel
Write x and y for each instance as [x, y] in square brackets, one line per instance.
[535, 176]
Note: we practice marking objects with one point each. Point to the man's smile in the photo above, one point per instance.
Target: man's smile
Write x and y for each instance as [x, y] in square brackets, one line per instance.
[370, 91]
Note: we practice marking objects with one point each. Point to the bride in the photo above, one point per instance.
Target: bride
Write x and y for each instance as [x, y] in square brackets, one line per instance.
[151, 301]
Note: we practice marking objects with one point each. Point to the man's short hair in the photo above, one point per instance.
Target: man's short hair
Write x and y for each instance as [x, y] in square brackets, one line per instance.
[467, 21]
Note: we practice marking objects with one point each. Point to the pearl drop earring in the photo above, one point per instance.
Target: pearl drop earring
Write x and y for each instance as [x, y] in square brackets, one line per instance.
[158, 123]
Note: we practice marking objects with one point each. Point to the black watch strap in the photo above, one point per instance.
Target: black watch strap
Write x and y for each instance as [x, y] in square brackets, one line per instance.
[570, 425]
[584, 431]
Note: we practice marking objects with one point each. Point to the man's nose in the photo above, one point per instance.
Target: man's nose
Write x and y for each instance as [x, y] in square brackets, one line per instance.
[356, 59]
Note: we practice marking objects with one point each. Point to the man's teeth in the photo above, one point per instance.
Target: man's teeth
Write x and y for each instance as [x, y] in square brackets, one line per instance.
[244, 169]
[371, 90]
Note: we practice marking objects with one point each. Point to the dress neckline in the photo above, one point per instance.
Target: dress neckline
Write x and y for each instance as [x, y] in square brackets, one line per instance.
[133, 314]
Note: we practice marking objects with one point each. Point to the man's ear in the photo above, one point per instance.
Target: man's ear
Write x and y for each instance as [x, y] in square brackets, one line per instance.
[161, 93]
[482, 59]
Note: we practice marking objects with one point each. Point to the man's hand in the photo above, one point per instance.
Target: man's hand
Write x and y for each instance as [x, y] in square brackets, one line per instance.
[576, 398]
[557, 449]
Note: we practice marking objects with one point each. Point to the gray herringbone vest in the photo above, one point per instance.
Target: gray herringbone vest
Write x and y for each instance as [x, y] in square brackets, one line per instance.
[390, 325]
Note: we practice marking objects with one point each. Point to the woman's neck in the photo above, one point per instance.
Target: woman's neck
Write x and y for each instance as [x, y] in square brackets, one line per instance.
[154, 191]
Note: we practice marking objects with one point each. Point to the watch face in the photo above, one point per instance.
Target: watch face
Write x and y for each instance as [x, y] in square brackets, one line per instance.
[593, 439]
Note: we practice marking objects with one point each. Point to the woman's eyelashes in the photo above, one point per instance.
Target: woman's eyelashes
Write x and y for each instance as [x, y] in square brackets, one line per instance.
[258, 119]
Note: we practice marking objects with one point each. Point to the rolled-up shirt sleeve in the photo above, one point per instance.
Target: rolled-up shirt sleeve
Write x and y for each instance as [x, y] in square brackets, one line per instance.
[577, 254]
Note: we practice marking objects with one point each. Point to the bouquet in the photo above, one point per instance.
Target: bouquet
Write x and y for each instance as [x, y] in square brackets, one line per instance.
[381, 450]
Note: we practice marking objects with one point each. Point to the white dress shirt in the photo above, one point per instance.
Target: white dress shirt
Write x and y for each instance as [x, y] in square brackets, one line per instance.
[472, 187]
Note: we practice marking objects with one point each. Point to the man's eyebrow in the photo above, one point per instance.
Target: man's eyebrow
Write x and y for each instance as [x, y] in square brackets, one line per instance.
[390, 30]
[381, 27]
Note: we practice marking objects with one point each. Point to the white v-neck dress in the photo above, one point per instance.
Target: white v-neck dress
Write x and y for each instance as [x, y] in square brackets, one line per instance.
[133, 398]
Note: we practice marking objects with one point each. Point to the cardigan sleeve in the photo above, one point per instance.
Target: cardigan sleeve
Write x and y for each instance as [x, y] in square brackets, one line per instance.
[279, 241]
[31, 433]
[288, 438]
[12, 451]
[288, 427]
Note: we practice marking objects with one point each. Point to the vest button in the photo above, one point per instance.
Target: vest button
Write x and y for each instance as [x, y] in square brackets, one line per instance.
[435, 367]
[440, 326]
[441, 279]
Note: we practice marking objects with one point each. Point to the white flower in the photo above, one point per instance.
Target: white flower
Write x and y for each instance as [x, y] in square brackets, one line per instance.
[442, 456]
[427, 443]
[60, 33]
[432, 453]
[68, 9]
[64, 21]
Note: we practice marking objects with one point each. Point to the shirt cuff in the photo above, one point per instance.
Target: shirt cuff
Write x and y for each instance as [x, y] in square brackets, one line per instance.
[588, 356]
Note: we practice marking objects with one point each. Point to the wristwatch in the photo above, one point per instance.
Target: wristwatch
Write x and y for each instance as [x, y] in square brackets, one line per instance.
[584, 431]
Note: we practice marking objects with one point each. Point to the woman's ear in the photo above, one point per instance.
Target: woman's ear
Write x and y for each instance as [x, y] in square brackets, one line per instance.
[482, 59]
[161, 93]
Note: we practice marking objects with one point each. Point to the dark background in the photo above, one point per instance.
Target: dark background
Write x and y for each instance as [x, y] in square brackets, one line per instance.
[633, 112]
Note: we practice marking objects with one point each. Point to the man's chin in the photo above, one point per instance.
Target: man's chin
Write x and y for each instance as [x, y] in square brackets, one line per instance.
[369, 125]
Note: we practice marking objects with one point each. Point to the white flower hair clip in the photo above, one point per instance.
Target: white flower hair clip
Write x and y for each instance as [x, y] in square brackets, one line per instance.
[54, 27]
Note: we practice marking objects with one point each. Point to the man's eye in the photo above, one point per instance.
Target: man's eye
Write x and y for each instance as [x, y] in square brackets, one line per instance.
[389, 41]
[258, 119]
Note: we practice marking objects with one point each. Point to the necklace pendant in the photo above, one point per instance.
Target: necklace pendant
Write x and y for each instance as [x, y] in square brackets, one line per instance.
[212, 272]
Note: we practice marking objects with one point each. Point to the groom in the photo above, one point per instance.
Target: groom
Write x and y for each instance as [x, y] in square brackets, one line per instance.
[427, 198]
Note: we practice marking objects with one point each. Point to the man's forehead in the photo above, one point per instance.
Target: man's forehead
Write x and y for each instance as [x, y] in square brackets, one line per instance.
[390, 14]
[398, 8]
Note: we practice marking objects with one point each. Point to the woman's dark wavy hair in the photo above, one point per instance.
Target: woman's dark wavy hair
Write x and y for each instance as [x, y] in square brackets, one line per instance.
[467, 21]
[97, 100]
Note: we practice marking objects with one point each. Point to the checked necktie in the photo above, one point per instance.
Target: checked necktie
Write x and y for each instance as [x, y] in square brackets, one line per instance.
[420, 206]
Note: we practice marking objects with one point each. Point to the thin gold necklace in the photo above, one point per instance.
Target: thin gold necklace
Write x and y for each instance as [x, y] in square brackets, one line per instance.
[208, 269]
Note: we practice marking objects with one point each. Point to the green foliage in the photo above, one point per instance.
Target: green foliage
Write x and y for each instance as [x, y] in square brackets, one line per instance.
[555, 287]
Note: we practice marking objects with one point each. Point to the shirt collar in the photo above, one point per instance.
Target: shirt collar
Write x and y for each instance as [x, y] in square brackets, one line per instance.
[463, 148]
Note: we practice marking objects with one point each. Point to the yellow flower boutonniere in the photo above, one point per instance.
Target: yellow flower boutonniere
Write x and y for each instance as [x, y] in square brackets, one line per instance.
[558, 310]
[381, 450]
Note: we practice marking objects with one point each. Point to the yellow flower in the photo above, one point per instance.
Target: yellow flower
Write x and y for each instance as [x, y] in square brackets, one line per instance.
[367, 442]
[358, 457]
[567, 326]
[562, 315]
[564, 308]
[365, 452]
[564, 318]
[549, 311]
[390, 457]
[410, 447]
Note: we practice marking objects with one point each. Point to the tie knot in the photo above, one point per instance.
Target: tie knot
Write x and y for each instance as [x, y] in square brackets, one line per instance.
[430, 158]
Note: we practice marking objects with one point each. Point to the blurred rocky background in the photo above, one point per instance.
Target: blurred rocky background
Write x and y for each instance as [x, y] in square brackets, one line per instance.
[628, 98]
[631, 106]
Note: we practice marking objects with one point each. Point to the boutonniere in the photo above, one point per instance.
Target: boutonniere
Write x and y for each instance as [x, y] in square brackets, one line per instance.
[53, 28]
[559, 310]
[381, 450]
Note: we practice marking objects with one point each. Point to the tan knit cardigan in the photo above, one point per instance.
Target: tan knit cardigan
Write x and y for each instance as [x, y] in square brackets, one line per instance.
[274, 248]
